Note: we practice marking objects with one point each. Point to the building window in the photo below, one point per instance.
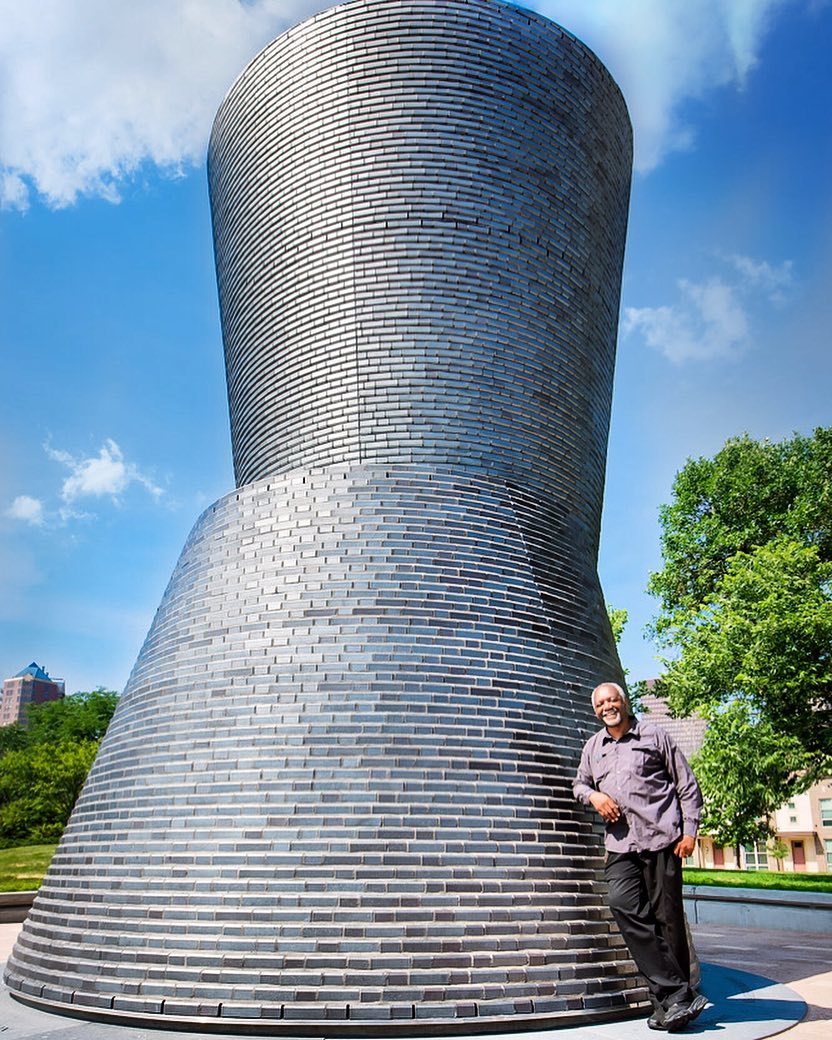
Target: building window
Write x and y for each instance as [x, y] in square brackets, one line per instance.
[826, 812]
[828, 854]
[792, 819]
[756, 856]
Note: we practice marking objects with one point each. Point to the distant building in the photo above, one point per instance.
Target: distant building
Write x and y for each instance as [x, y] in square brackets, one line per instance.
[31, 685]
[803, 825]
[688, 733]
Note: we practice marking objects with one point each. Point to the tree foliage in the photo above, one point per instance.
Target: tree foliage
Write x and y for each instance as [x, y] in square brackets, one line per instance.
[39, 785]
[739, 800]
[43, 764]
[618, 619]
[746, 613]
[83, 716]
[764, 640]
[750, 493]
[12, 738]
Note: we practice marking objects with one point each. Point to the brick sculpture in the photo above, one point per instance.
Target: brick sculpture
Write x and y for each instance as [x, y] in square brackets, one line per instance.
[335, 797]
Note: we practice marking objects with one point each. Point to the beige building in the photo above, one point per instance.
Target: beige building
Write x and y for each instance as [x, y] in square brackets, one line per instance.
[803, 825]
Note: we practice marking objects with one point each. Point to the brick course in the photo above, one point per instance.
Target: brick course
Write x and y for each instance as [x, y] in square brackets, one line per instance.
[336, 793]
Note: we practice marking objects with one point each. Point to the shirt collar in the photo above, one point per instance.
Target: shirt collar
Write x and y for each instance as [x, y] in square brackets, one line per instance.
[606, 737]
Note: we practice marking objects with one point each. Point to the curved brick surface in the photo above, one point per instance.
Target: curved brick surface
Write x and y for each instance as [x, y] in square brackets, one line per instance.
[337, 785]
[419, 212]
[336, 795]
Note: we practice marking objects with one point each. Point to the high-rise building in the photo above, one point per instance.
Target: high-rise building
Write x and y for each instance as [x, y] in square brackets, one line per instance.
[336, 793]
[31, 685]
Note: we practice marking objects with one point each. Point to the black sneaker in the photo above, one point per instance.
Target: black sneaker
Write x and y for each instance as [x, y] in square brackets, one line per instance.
[697, 1006]
[676, 1017]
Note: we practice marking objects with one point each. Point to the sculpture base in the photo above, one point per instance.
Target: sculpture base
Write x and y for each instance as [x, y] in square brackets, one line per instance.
[336, 794]
[425, 1021]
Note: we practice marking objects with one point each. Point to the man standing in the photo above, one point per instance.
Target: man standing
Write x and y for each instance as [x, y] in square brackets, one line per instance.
[633, 774]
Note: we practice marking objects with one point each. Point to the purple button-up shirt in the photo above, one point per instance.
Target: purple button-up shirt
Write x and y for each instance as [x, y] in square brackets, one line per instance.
[650, 780]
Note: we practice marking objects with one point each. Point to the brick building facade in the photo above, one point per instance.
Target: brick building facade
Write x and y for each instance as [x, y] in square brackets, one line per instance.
[31, 685]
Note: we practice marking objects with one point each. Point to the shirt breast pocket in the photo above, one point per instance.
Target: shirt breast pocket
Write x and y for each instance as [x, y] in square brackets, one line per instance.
[648, 762]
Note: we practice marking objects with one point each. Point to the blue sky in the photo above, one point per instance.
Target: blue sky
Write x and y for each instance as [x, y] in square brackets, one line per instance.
[113, 426]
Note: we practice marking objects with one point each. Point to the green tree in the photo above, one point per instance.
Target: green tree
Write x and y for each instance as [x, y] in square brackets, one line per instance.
[779, 849]
[12, 737]
[746, 615]
[764, 640]
[750, 493]
[618, 619]
[742, 767]
[39, 786]
[43, 765]
[82, 716]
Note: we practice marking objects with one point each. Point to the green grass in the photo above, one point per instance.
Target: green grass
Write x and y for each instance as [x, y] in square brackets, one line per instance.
[22, 869]
[759, 879]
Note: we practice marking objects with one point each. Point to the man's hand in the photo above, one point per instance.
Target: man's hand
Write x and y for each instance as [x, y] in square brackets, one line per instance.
[606, 806]
[685, 846]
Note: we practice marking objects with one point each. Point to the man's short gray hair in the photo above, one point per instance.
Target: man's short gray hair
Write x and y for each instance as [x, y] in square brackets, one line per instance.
[621, 692]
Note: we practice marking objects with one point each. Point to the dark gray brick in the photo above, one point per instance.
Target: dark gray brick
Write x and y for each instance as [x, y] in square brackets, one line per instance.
[338, 781]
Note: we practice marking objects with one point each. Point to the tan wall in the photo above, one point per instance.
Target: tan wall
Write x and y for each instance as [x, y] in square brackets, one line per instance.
[799, 825]
[818, 793]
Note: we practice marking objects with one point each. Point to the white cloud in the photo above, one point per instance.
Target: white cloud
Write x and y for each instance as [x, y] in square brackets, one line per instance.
[707, 323]
[27, 509]
[663, 52]
[65, 515]
[104, 474]
[13, 191]
[94, 89]
[710, 320]
[759, 274]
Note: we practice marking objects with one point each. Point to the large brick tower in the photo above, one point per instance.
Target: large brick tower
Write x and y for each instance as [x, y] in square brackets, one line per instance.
[336, 794]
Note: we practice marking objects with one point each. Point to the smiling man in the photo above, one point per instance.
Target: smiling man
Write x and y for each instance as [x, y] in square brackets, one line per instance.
[640, 783]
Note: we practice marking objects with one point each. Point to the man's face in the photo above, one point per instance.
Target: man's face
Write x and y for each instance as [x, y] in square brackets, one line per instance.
[609, 706]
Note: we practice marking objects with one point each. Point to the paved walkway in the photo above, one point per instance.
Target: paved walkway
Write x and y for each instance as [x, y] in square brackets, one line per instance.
[762, 983]
[801, 960]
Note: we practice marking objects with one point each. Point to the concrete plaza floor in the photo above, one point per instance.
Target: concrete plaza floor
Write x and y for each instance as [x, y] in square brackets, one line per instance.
[761, 983]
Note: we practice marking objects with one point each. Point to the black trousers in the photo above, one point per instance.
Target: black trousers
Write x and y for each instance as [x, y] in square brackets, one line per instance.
[646, 901]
